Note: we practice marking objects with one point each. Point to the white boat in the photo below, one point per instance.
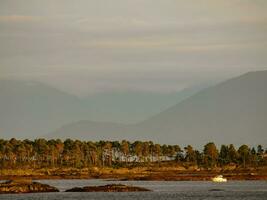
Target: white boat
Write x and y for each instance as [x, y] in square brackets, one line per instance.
[219, 178]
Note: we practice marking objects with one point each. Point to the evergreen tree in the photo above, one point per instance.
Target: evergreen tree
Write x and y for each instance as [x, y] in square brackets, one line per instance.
[244, 153]
[210, 154]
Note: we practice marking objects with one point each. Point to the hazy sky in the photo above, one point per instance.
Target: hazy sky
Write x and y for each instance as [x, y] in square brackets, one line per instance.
[87, 46]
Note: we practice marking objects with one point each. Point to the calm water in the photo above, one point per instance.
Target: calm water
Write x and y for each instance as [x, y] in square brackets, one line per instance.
[245, 190]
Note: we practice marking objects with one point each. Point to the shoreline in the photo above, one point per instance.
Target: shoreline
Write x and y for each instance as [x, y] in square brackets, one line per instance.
[184, 178]
[125, 174]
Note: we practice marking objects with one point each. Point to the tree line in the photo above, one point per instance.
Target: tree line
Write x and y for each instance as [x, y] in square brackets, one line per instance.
[41, 153]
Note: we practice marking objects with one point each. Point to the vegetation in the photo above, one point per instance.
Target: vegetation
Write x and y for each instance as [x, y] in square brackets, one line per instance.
[42, 153]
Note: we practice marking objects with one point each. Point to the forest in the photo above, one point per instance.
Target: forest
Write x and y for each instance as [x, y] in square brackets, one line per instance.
[42, 153]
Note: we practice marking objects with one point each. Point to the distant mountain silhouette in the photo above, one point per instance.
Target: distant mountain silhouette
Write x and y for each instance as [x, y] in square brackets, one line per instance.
[31, 109]
[234, 111]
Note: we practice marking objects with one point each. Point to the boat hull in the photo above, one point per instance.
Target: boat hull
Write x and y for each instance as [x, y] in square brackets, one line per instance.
[219, 180]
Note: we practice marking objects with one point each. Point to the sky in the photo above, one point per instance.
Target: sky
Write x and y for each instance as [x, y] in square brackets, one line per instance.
[91, 46]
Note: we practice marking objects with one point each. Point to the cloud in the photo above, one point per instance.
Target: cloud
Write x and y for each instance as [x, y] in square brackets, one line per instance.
[18, 18]
[101, 44]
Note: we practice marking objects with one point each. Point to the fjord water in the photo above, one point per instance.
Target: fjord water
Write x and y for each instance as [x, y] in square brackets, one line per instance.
[186, 190]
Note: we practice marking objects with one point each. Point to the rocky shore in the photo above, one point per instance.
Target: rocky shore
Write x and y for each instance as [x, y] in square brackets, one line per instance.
[25, 186]
[109, 188]
[175, 173]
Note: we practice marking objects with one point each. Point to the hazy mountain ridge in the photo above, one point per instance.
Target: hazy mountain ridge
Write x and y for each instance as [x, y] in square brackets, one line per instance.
[31, 109]
[234, 111]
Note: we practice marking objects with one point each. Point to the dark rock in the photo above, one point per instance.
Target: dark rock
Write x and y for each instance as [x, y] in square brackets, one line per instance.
[216, 190]
[108, 188]
[25, 186]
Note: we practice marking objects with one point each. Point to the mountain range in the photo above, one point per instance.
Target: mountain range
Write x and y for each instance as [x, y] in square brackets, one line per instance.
[31, 109]
[234, 111]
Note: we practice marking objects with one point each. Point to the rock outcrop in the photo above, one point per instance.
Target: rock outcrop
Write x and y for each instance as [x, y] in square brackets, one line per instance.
[108, 188]
[25, 186]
